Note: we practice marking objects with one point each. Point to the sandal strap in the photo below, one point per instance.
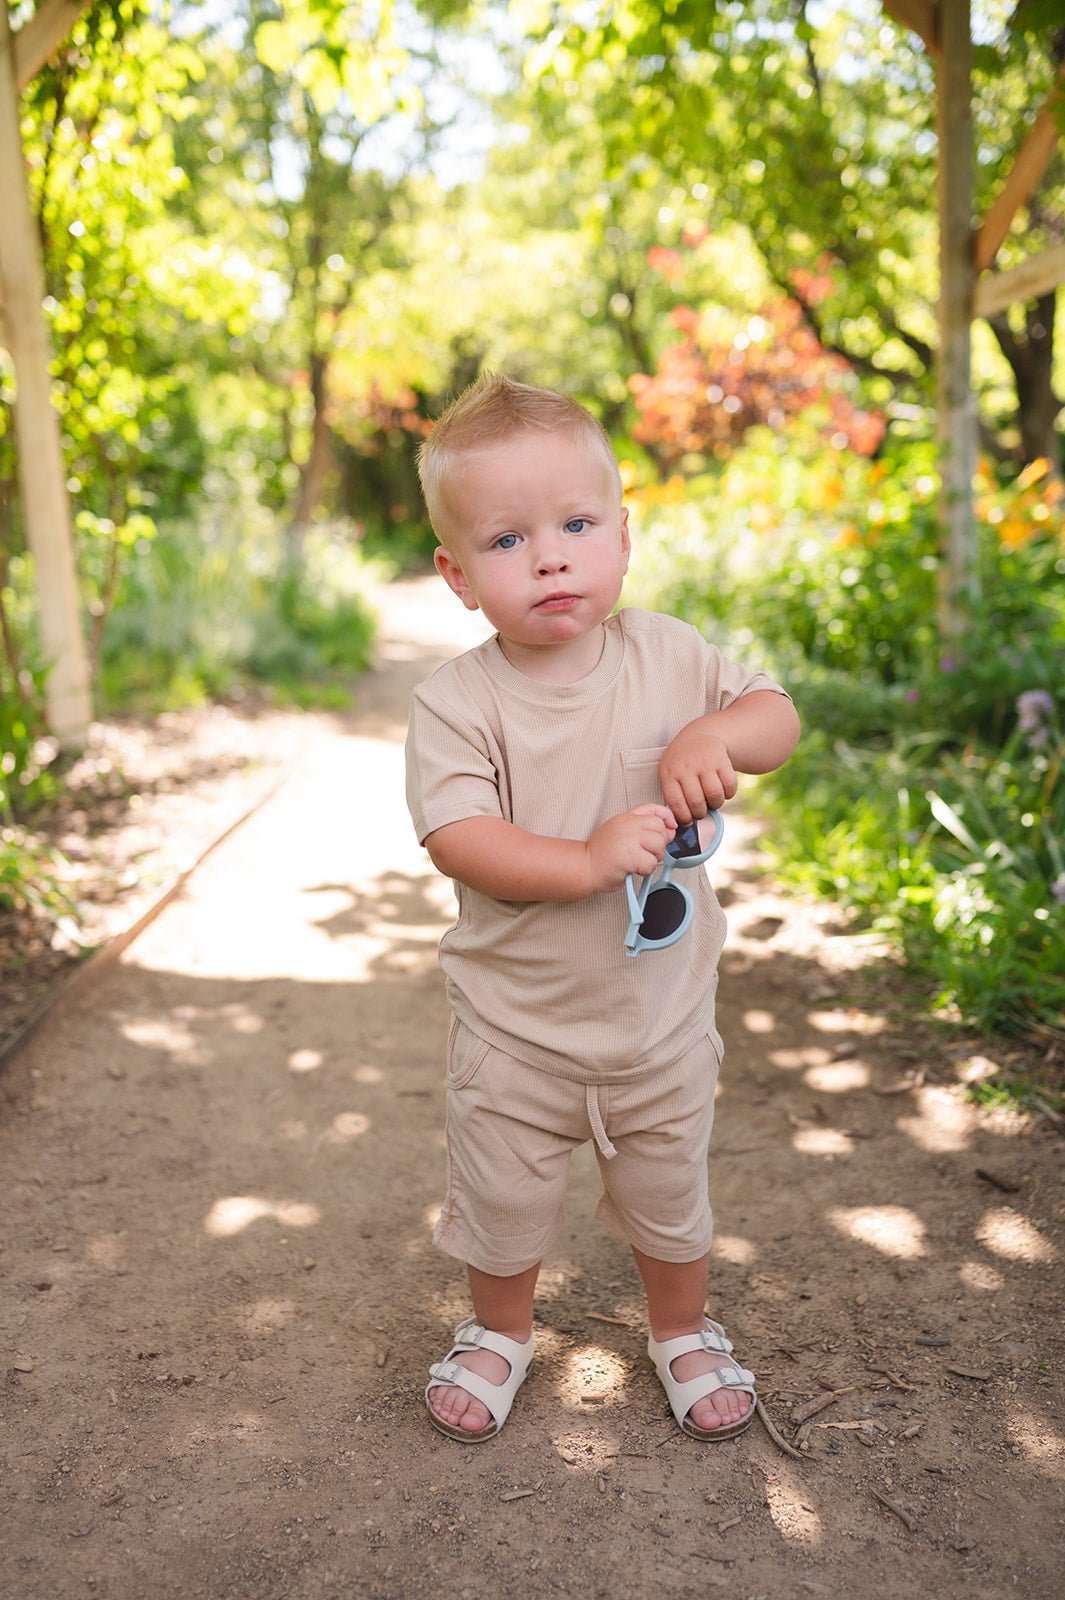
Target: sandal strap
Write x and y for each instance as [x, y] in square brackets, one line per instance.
[470, 1335]
[712, 1338]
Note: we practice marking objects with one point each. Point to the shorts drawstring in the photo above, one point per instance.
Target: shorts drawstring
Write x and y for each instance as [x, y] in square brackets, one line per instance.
[595, 1117]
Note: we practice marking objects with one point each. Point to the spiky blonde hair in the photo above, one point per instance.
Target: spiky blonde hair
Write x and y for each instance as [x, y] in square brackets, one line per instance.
[491, 410]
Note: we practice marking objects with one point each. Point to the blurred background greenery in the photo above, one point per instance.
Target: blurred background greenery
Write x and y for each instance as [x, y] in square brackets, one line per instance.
[278, 234]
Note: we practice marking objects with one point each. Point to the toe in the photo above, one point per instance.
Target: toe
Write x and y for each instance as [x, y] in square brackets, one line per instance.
[458, 1408]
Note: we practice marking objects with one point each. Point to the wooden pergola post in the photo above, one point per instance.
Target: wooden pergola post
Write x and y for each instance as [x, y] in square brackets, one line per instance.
[957, 428]
[42, 475]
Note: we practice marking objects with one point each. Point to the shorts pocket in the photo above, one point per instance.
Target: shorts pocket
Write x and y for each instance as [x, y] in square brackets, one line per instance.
[465, 1054]
[640, 771]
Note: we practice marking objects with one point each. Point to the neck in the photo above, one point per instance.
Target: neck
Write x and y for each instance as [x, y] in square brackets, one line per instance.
[559, 663]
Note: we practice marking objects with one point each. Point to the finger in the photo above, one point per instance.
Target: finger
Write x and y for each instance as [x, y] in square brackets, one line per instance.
[675, 799]
[656, 811]
[695, 797]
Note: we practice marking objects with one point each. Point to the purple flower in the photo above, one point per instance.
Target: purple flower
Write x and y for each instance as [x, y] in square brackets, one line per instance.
[1034, 706]
[947, 663]
[912, 696]
[1057, 888]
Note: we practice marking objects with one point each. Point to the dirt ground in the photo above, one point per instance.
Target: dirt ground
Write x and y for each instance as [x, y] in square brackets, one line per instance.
[221, 1162]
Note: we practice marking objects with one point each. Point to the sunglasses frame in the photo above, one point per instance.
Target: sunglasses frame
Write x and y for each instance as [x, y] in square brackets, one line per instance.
[638, 898]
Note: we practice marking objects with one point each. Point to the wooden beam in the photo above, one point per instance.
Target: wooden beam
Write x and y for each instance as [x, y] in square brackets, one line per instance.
[39, 38]
[1021, 183]
[1026, 281]
[921, 17]
[42, 473]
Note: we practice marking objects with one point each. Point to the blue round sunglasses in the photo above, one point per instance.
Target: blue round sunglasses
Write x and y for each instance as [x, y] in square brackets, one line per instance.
[660, 911]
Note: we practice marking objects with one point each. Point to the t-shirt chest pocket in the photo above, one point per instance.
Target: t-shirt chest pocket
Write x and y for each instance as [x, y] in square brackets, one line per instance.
[640, 773]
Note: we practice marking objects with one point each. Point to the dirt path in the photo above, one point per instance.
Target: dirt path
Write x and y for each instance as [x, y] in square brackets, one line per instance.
[219, 1174]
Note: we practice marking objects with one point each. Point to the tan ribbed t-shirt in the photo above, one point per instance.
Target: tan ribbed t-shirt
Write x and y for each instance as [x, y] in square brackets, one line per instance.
[550, 982]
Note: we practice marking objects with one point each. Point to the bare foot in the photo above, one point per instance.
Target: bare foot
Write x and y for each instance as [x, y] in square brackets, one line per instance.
[457, 1407]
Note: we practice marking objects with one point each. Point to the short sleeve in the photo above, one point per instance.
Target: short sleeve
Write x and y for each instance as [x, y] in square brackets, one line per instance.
[728, 680]
[450, 772]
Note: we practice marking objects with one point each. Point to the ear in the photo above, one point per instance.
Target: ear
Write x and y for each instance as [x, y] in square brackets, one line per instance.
[626, 542]
[454, 577]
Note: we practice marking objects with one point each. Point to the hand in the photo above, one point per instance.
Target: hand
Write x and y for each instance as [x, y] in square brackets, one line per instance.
[633, 842]
[696, 773]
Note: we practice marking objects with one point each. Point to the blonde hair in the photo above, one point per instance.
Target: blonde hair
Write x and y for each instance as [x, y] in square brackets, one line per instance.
[494, 409]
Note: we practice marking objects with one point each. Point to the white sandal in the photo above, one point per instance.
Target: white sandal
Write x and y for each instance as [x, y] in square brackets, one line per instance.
[682, 1396]
[498, 1397]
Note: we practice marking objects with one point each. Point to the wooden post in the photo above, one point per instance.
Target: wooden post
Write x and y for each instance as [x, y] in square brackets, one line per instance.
[959, 587]
[42, 475]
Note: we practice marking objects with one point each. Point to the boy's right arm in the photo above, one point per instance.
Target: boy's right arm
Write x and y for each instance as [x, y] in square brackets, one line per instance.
[500, 859]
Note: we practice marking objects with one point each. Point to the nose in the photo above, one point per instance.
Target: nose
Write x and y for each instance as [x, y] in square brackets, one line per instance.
[550, 556]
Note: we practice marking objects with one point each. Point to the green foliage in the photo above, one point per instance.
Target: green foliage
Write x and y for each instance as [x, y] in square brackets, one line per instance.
[927, 793]
[29, 877]
[26, 751]
[211, 606]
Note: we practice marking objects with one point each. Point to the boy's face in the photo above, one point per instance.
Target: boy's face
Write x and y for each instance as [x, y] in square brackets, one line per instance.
[537, 540]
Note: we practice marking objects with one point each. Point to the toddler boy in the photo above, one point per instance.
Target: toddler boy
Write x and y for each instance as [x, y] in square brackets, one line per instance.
[542, 768]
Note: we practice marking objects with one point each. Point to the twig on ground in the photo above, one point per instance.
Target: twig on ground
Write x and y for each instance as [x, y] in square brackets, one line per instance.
[781, 1444]
[615, 1322]
[812, 1407]
[894, 1507]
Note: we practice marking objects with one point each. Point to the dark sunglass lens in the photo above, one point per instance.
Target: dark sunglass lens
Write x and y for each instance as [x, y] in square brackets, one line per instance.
[663, 913]
[685, 842]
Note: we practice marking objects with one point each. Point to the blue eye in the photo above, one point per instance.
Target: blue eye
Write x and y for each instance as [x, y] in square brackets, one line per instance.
[506, 541]
[576, 524]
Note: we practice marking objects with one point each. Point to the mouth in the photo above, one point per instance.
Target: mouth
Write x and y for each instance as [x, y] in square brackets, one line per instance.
[557, 602]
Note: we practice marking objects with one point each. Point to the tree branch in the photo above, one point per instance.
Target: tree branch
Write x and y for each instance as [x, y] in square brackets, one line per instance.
[38, 39]
[920, 17]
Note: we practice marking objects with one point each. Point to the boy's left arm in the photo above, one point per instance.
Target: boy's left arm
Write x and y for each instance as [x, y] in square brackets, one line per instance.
[756, 733]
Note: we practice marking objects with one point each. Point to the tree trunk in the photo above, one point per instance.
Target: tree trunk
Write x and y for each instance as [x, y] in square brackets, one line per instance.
[42, 476]
[956, 421]
[1031, 360]
[316, 467]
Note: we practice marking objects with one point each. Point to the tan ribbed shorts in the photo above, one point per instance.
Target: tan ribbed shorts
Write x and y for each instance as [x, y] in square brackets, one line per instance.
[512, 1128]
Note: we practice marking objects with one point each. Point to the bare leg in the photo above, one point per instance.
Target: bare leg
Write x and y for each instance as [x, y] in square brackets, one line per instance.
[676, 1297]
[505, 1305]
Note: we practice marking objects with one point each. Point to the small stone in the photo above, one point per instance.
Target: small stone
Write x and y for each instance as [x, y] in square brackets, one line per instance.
[22, 1364]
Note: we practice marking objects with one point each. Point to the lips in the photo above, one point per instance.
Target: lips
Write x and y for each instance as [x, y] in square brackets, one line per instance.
[557, 602]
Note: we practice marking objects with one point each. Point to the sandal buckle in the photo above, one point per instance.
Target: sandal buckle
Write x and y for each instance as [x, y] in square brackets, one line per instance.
[716, 1343]
[470, 1333]
[445, 1371]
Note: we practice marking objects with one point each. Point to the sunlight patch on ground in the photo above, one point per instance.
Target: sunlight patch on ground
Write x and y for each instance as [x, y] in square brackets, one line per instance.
[893, 1230]
[1006, 1233]
[821, 1142]
[837, 1077]
[304, 1060]
[979, 1275]
[759, 1021]
[368, 1075]
[791, 1060]
[238, 1211]
[155, 1033]
[346, 1126]
[848, 1021]
[266, 1316]
[1038, 1442]
[944, 1121]
[107, 1250]
[730, 1247]
[431, 1216]
[789, 1507]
